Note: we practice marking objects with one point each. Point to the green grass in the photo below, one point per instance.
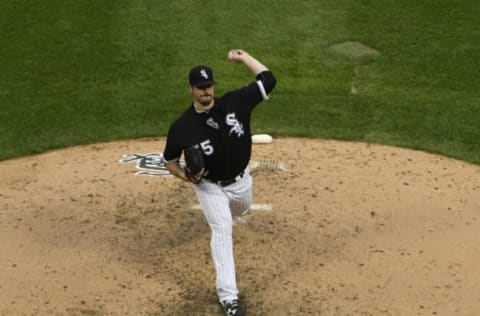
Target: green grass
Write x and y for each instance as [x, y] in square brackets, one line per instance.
[76, 72]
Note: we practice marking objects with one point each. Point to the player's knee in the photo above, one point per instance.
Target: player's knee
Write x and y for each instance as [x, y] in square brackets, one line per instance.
[223, 228]
[239, 207]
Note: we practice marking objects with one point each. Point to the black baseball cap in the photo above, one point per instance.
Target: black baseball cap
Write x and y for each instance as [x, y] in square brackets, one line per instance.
[201, 76]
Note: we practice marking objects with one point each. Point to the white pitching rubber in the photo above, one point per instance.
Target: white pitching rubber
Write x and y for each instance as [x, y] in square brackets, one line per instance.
[260, 207]
[262, 139]
[195, 207]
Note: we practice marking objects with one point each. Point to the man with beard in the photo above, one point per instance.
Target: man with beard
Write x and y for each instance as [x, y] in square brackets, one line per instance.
[220, 127]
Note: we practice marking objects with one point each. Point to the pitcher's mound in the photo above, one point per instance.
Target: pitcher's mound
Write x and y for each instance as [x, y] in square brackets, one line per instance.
[354, 229]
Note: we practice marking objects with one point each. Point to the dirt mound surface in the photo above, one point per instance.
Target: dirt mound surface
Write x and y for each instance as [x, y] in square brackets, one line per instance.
[354, 229]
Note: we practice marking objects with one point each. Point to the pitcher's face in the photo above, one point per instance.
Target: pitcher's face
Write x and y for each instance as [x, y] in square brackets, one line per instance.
[204, 95]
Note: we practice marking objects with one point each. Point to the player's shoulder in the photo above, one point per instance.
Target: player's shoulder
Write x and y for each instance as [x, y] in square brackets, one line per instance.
[188, 113]
[234, 93]
[184, 119]
[244, 94]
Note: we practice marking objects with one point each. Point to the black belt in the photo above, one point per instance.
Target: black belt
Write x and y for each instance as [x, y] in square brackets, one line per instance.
[224, 183]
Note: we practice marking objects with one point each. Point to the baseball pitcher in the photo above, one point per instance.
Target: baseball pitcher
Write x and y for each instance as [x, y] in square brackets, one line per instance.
[214, 136]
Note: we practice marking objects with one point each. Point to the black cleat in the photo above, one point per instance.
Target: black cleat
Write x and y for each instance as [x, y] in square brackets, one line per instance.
[232, 308]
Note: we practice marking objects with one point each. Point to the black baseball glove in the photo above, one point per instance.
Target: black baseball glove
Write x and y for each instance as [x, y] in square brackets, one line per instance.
[194, 162]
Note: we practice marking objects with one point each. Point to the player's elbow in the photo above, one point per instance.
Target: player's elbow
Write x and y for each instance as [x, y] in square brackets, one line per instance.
[268, 80]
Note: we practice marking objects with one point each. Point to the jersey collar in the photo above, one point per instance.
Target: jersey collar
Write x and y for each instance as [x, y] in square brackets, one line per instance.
[200, 111]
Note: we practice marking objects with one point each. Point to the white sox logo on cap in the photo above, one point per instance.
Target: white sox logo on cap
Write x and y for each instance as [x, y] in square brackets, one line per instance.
[201, 76]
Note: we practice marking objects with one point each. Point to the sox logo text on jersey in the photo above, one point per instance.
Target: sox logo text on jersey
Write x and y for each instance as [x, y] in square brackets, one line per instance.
[237, 127]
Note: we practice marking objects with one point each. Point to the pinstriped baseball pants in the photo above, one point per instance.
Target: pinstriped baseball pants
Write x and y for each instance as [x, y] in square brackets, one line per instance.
[220, 205]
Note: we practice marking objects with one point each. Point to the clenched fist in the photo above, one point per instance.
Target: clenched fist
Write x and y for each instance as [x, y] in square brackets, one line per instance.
[236, 55]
